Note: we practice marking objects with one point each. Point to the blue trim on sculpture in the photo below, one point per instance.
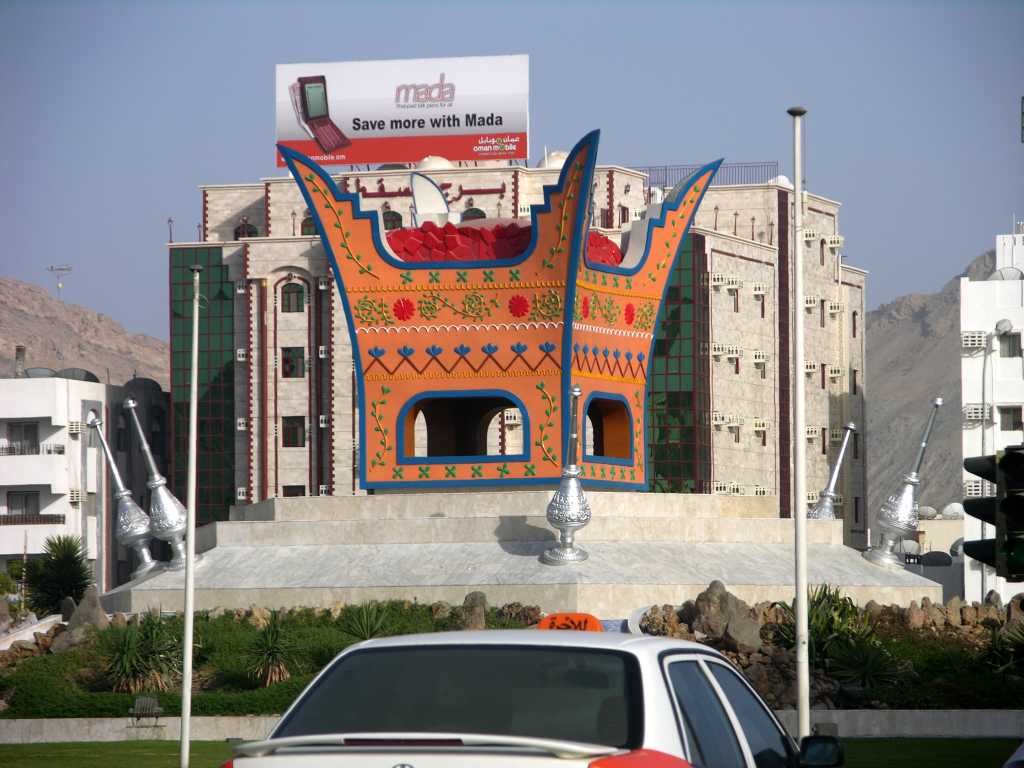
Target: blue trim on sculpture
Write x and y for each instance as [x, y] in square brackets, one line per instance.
[402, 459]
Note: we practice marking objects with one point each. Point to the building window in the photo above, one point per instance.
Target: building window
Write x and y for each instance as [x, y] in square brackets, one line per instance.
[762, 306]
[245, 229]
[821, 251]
[1010, 418]
[623, 214]
[823, 385]
[855, 325]
[293, 298]
[856, 509]
[393, 220]
[23, 502]
[293, 363]
[293, 431]
[606, 218]
[293, 490]
[473, 213]
[23, 438]
[824, 441]
[736, 301]
[1009, 345]
[121, 445]
[822, 313]
[856, 445]
[853, 381]
[308, 227]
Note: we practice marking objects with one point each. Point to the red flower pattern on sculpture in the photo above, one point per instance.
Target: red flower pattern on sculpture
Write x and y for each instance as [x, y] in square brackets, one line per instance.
[518, 305]
[630, 314]
[403, 309]
[585, 307]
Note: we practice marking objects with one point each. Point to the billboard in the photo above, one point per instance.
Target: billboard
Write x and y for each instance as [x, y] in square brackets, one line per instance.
[398, 111]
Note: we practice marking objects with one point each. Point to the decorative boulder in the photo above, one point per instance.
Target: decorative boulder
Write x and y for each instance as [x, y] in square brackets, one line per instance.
[89, 611]
[474, 611]
[954, 511]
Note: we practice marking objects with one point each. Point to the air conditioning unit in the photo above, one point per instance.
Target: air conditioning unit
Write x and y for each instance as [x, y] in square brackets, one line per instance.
[759, 490]
[324, 421]
[75, 496]
[810, 367]
[240, 355]
[240, 286]
[835, 242]
[812, 497]
[733, 352]
[811, 432]
[835, 307]
[719, 486]
[972, 339]
[241, 424]
[76, 427]
[977, 412]
[974, 488]
[735, 489]
[321, 352]
[835, 372]
[718, 419]
[733, 283]
[836, 435]
[323, 283]
[717, 348]
[759, 289]
[837, 500]
[322, 490]
[759, 424]
[734, 422]
[512, 417]
[810, 234]
[810, 302]
[241, 493]
[759, 357]
[717, 279]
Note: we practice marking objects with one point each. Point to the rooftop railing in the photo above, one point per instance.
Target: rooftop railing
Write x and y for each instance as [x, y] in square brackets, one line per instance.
[728, 173]
[31, 520]
[32, 449]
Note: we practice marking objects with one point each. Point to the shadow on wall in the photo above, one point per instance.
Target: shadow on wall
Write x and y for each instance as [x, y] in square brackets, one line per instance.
[516, 536]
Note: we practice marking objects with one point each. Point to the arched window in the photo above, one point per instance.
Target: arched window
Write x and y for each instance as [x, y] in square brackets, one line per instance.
[293, 298]
[461, 425]
[245, 229]
[612, 425]
[822, 252]
[855, 325]
[392, 220]
[308, 227]
[473, 213]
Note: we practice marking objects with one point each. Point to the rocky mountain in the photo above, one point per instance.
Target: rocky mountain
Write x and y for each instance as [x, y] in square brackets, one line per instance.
[59, 335]
[913, 355]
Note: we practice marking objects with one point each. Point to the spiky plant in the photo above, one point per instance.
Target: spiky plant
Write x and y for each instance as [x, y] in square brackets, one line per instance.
[126, 666]
[62, 571]
[270, 653]
[361, 622]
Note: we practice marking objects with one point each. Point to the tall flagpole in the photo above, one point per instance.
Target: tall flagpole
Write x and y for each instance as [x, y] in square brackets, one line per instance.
[803, 677]
[190, 534]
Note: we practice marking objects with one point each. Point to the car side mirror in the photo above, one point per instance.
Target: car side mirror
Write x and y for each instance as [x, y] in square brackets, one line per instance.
[821, 752]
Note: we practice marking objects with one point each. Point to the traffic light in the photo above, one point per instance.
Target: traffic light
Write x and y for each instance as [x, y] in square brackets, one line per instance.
[1005, 511]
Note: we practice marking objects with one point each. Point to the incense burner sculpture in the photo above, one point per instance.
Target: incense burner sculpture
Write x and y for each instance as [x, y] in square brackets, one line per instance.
[133, 529]
[457, 342]
[824, 508]
[568, 510]
[167, 514]
[897, 518]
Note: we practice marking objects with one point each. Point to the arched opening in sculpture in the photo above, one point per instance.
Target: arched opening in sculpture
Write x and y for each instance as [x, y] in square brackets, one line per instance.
[454, 426]
[607, 428]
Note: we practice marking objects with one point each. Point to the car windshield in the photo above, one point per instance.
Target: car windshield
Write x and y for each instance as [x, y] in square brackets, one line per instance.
[575, 694]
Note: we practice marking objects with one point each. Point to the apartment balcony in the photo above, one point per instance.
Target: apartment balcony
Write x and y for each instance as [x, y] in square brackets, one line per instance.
[38, 465]
[28, 533]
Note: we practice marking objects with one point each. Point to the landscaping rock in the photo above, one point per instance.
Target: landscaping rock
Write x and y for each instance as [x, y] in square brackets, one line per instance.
[80, 635]
[259, 617]
[743, 633]
[474, 611]
[440, 610]
[336, 610]
[24, 648]
[915, 617]
[1015, 608]
[67, 608]
[43, 641]
[969, 615]
[954, 610]
[216, 613]
[89, 611]
[119, 620]
[873, 610]
[720, 614]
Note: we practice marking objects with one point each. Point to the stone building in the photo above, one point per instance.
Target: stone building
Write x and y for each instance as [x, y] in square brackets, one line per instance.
[278, 417]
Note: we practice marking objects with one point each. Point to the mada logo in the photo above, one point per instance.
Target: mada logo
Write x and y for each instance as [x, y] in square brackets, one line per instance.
[425, 94]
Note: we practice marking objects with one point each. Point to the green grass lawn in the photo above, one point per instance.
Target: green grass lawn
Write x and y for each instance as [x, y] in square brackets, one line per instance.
[860, 753]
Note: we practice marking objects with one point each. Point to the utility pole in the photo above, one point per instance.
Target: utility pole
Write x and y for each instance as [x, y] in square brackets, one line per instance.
[58, 271]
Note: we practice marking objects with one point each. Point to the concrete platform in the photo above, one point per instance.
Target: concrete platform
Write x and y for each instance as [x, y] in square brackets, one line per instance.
[644, 549]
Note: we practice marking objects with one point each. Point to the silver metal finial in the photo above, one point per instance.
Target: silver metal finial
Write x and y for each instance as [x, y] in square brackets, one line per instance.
[897, 518]
[824, 508]
[167, 514]
[568, 510]
[133, 529]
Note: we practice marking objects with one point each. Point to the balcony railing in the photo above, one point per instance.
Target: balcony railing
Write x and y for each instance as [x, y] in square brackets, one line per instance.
[31, 519]
[38, 449]
[728, 173]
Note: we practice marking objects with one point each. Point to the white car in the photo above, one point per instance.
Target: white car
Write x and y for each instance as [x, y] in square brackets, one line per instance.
[534, 699]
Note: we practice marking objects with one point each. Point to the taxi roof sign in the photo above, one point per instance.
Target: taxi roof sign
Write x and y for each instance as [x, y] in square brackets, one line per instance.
[580, 622]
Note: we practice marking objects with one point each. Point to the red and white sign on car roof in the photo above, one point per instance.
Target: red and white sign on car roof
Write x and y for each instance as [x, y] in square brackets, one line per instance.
[341, 113]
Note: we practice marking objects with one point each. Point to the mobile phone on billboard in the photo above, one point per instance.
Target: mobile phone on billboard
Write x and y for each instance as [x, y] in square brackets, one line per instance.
[316, 115]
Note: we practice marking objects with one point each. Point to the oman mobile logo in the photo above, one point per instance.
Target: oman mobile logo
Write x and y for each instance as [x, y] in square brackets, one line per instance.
[425, 93]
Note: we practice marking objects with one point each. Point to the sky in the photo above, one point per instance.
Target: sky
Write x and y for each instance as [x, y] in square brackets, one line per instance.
[115, 112]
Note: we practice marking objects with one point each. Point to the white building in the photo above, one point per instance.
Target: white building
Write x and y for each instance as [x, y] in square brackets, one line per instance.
[53, 477]
[991, 384]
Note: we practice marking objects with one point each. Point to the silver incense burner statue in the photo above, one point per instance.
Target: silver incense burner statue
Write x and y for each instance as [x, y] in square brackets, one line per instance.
[167, 514]
[568, 510]
[133, 527]
[898, 515]
[824, 508]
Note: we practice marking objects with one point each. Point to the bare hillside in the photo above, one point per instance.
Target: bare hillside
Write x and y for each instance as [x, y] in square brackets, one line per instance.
[913, 355]
[59, 335]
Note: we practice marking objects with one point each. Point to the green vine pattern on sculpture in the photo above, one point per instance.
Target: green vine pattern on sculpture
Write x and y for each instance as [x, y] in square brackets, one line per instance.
[645, 316]
[639, 427]
[550, 408]
[547, 306]
[373, 312]
[357, 259]
[475, 306]
[605, 308]
[570, 193]
[377, 414]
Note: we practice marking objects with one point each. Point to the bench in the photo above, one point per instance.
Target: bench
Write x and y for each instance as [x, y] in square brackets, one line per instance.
[145, 706]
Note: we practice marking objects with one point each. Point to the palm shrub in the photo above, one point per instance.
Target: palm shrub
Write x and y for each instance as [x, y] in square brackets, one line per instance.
[830, 616]
[270, 653]
[7, 585]
[61, 571]
[860, 661]
[1005, 650]
[144, 656]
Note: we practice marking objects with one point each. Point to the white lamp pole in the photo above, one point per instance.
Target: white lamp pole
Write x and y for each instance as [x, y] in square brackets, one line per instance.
[190, 534]
[803, 677]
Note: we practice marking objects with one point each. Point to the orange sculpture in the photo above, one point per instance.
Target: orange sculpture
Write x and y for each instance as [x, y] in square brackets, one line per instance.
[461, 341]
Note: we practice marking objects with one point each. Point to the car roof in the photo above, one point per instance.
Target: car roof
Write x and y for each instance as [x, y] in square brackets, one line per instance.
[640, 645]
